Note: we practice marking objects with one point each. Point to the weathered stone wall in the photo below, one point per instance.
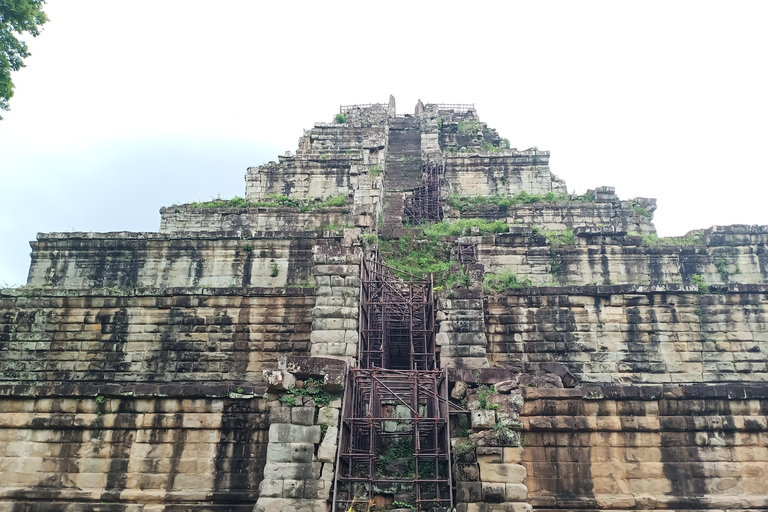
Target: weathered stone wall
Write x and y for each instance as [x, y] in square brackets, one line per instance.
[128, 260]
[198, 335]
[630, 448]
[637, 335]
[607, 256]
[462, 332]
[193, 220]
[88, 448]
[569, 215]
[505, 173]
[329, 158]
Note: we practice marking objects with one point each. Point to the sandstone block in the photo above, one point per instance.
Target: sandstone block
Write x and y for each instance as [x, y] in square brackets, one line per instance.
[468, 492]
[292, 470]
[499, 507]
[289, 504]
[483, 419]
[328, 416]
[493, 492]
[270, 488]
[317, 489]
[286, 433]
[293, 488]
[516, 492]
[489, 454]
[503, 473]
[303, 415]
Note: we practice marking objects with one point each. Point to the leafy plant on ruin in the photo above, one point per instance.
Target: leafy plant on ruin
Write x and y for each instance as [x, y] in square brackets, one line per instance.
[697, 280]
[313, 388]
[502, 433]
[554, 264]
[652, 239]
[375, 171]
[456, 227]
[484, 392]
[498, 282]
[274, 270]
[642, 211]
[427, 256]
[469, 127]
[459, 279]
[504, 202]
[340, 119]
[559, 238]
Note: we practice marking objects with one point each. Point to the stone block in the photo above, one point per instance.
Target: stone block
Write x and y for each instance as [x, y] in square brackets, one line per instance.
[292, 470]
[303, 415]
[468, 492]
[513, 454]
[515, 492]
[286, 433]
[459, 390]
[271, 488]
[328, 416]
[466, 472]
[492, 454]
[493, 492]
[279, 452]
[317, 489]
[293, 488]
[327, 450]
[498, 507]
[301, 452]
[290, 504]
[502, 473]
[483, 419]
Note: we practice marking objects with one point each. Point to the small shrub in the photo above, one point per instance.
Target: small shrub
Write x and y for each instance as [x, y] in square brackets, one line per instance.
[722, 268]
[100, 399]
[375, 171]
[275, 271]
[468, 127]
[313, 389]
[483, 393]
[642, 211]
[340, 119]
[699, 282]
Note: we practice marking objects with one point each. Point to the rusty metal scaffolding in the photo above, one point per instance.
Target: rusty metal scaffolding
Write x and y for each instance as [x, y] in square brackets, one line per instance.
[388, 413]
[394, 440]
[466, 252]
[424, 203]
[397, 321]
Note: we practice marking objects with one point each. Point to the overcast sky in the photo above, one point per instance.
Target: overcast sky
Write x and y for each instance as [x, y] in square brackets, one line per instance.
[125, 107]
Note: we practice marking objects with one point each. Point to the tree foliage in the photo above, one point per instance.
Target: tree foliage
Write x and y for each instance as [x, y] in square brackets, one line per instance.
[16, 18]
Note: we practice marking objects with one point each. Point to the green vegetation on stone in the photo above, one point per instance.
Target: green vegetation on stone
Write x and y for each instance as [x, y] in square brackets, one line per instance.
[559, 238]
[493, 282]
[642, 211]
[313, 389]
[652, 239]
[340, 119]
[700, 283]
[272, 201]
[466, 203]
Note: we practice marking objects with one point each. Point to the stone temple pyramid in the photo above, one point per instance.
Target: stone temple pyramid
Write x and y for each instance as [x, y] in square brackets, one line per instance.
[406, 313]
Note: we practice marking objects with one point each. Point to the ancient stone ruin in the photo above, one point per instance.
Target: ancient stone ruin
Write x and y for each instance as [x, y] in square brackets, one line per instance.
[405, 314]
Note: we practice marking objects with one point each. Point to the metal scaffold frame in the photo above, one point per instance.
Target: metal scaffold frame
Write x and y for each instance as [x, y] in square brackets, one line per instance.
[397, 321]
[394, 440]
[424, 204]
[369, 430]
